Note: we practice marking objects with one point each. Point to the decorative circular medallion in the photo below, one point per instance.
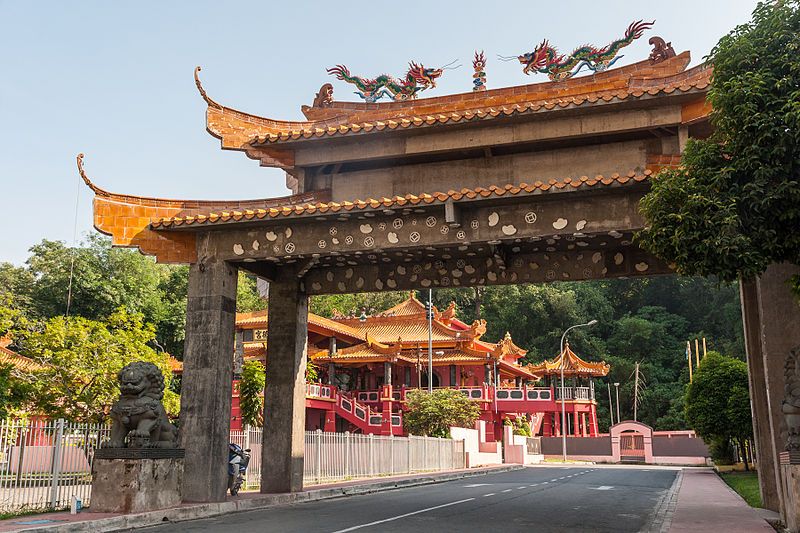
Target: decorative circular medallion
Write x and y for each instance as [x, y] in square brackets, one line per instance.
[348, 239]
[530, 217]
[414, 236]
[322, 243]
[397, 223]
[444, 229]
[430, 221]
[289, 247]
[461, 235]
[369, 242]
[333, 230]
[474, 224]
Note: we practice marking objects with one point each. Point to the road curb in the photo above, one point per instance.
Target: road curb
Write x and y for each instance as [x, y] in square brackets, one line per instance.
[661, 519]
[264, 501]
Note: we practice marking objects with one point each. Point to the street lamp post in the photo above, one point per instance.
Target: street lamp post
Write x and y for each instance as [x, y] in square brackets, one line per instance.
[563, 405]
[616, 387]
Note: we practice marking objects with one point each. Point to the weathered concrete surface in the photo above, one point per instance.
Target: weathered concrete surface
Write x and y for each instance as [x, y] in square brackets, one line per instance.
[136, 485]
[285, 392]
[772, 328]
[207, 375]
[529, 167]
[790, 490]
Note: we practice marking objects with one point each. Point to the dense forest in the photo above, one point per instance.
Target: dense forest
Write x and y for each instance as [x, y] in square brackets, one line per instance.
[645, 320]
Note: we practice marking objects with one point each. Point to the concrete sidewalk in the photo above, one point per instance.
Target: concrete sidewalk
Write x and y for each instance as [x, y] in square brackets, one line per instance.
[63, 522]
[706, 503]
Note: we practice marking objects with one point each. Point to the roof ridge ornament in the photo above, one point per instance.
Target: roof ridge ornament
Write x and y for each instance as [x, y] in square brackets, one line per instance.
[662, 50]
[479, 78]
[95, 189]
[208, 99]
[559, 67]
[417, 79]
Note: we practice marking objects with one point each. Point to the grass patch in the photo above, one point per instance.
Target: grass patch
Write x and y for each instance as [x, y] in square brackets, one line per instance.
[746, 485]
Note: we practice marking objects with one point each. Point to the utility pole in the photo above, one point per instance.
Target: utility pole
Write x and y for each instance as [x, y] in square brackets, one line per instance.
[616, 387]
[430, 340]
[610, 404]
[636, 395]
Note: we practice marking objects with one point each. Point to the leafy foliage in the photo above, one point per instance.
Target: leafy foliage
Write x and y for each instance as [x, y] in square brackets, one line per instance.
[734, 206]
[718, 401]
[432, 414]
[82, 358]
[251, 389]
[14, 391]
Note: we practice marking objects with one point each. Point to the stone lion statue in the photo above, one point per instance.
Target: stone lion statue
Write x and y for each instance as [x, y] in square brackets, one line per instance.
[139, 419]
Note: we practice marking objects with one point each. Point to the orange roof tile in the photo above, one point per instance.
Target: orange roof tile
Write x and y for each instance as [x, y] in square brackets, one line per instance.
[258, 319]
[372, 204]
[19, 362]
[572, 365]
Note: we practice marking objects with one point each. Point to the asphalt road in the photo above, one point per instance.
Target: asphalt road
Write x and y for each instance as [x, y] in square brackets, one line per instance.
[532, 499]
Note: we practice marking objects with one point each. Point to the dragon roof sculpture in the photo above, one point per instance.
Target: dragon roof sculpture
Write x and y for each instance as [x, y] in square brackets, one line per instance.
[546, 59]
[418, 78]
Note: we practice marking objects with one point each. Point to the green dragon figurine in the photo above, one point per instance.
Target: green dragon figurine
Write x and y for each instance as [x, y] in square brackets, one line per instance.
[558, 67]
[418, 78]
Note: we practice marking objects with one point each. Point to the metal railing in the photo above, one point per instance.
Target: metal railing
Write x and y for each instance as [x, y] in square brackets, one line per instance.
[331, 457]
[44, 463]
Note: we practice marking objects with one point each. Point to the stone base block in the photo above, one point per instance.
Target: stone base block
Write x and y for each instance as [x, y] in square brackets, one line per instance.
[790, 479]
[136, 485]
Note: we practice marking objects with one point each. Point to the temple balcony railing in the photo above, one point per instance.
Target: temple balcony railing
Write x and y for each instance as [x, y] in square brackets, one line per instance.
[574, 393]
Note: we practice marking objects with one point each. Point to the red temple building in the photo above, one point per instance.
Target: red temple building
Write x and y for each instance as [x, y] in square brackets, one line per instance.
[366, 364]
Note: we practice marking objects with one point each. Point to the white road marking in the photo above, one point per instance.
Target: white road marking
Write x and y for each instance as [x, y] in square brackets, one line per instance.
[545, 482]
[375, 523]
[477, 485]
[531, 486]
[507, 490]
[487, 495]
[520, 488]
[603, 487]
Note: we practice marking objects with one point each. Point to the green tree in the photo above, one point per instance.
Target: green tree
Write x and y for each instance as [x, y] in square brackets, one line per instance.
[433, 414]
[733, 208]
[251, 390]
[718, 402]
[14, 391]
[82, 358]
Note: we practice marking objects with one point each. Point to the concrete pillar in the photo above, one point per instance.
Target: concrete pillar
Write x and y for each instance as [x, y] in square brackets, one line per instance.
[207, 378]
[284, 395]
[331, 373]
[771, 318]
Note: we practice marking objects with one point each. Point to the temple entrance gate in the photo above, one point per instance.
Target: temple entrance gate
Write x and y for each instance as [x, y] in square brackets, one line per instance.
[528, 184]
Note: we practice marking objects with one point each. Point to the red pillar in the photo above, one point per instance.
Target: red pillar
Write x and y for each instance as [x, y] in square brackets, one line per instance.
[594, 431]
[386, 409]
[547, 425]
[584, 429]
[576, 430]
[557, 417]
[330, 422]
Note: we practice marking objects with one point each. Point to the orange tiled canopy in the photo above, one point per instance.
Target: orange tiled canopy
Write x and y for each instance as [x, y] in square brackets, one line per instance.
[241, 131]
[572, 365]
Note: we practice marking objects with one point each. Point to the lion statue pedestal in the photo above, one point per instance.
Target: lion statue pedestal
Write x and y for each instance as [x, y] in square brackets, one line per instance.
[140, 468]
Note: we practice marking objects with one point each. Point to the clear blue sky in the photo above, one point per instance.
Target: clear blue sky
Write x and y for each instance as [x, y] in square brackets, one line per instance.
[114, 80]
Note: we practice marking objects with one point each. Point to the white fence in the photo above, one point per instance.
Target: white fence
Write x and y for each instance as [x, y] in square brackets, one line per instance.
[331, 457]
[43, 464]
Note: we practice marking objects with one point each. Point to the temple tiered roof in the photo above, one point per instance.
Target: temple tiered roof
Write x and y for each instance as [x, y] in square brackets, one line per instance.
[572, 365]
[326, 118]
[400, 333]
